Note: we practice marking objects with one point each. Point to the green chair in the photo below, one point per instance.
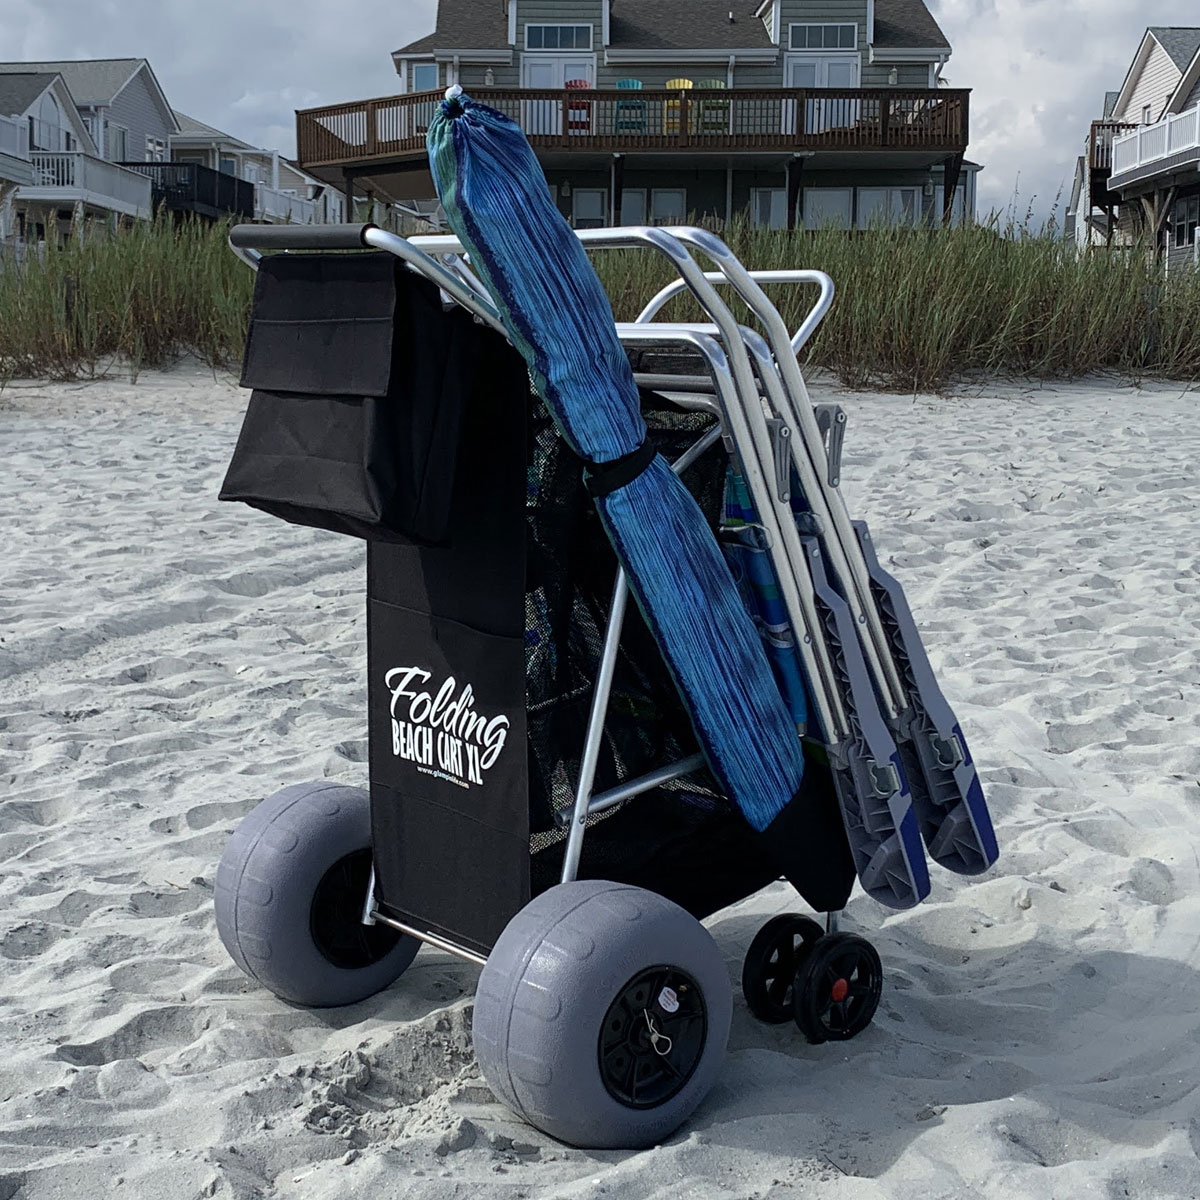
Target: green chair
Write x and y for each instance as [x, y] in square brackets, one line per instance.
[709, 115]
[629, 116]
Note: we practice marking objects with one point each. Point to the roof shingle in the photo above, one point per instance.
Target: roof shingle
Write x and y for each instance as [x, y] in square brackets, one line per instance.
[672, 25]
[92, 81]
[18, 92]
[1180, 42]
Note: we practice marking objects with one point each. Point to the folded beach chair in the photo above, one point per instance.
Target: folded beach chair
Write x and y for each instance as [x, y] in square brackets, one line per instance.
[562, 784]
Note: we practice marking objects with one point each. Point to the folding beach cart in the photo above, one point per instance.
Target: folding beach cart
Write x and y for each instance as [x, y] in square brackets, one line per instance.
[540, 802]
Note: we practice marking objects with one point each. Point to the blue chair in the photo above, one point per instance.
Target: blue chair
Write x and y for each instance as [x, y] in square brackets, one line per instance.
[629, 116]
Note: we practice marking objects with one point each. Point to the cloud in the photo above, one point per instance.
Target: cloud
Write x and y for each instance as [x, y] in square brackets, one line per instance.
[243, 67]
[1039, 70]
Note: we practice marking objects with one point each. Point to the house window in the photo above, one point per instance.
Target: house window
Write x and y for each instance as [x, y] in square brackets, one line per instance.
[116, 137]
[889, 207]
[768, 208]
[667, 206]
[1146, 110]
[822, 37]
[228, 166]
[1185, 217]
[958, 208]
[633, 206]
[156, 149]
[827, 208]
[422, 77]
[558, 37]
[589, 208]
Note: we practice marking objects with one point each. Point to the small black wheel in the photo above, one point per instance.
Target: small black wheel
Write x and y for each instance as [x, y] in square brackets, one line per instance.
[837, 988]
[774, 957]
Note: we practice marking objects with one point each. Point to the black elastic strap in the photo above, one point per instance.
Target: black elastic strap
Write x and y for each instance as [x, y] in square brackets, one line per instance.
[602, 478]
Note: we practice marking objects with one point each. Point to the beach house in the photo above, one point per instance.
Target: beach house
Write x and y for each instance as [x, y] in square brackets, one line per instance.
[1140, 171]
[275, 189]
[790, 111]
[52, 168]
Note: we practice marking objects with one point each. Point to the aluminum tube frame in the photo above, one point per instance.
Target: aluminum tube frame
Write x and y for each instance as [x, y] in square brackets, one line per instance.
[842, 545]
[603, 691]
[807, 327]
[830, 712]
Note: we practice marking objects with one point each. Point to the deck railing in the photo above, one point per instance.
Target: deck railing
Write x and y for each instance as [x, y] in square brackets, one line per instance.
[619, 121]
[191, 187]
[270, 204]
[1101, 142]
[14, 138]
[1147, 144]
[78, 172]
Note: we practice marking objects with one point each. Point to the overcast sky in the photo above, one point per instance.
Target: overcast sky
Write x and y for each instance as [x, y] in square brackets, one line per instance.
[1039, 68]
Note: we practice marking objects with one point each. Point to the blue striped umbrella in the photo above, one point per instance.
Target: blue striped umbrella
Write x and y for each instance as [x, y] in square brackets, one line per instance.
[558, 316]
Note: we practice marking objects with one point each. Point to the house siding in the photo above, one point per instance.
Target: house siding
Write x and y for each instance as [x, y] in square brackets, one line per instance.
[1193, 97]
[557, 12]
[1159, 78]
[914, 75]
[137, 109]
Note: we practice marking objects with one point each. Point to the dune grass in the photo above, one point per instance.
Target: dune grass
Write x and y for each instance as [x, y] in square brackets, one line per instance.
[146, 296]
[914, 309]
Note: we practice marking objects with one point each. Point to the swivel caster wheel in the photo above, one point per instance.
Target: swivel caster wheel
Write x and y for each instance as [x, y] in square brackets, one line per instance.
[769, 971]
[837, 988]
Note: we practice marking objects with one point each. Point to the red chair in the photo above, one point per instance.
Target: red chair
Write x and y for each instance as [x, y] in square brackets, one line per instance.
[579, 110]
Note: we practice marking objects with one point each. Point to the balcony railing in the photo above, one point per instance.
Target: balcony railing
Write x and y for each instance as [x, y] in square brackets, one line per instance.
[14, 138]
[273, 205]
[79, 176]
[617, 121]
[1101, 142]
[191, 187]
[1150, 143]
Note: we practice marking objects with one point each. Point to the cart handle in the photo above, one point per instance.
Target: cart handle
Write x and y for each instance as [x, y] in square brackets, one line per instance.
[299, 237]
[807, 326]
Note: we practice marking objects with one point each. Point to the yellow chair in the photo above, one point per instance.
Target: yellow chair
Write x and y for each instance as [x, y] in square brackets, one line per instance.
[671, 108]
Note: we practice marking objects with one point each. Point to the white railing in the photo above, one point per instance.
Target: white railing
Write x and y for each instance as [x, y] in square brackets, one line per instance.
[14, 138]
[273, 205]
[1149, 143]
[79, 172]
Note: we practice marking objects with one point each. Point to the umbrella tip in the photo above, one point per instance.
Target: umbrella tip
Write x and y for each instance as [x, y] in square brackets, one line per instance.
[452, 105]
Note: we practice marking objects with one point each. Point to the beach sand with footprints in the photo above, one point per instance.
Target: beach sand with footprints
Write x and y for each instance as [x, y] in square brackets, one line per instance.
[166, 661]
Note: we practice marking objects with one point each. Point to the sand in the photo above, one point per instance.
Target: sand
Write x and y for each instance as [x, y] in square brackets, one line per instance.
[166, 661]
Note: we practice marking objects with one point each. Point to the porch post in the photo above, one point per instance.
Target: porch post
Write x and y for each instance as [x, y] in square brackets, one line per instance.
[617, 179]
[951, 170]
[795, 173]
[349, 192]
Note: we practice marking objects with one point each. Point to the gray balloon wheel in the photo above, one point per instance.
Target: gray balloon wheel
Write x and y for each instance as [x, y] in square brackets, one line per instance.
[289, 894]
[602, 1015]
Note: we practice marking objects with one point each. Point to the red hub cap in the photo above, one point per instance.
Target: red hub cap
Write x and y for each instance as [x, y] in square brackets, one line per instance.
[839, 991]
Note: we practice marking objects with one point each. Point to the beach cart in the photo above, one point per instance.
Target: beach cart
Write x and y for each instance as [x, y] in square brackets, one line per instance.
[541, 801]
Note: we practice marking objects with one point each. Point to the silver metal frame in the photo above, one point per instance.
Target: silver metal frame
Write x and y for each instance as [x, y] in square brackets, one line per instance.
[756, 394]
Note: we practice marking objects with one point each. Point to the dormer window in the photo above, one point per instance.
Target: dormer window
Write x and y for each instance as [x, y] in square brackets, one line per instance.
[822, 37]
[558, 37]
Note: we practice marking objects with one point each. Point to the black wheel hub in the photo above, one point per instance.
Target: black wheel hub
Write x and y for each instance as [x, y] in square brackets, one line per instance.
[653, 1037]
[838, 988]
[774, 957]
[335, 918]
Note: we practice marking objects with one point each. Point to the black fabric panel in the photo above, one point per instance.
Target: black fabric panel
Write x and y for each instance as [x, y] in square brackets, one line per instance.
[807, 842]
[322, 324]
[376, 466]
[446, 692]
[701, 855]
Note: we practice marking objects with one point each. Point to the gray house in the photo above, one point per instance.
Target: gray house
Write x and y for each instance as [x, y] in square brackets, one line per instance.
[60, 177]
[812, 111]
[1140, 170]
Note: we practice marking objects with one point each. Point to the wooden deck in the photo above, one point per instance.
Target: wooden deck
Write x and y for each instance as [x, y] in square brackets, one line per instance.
[392, 129]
